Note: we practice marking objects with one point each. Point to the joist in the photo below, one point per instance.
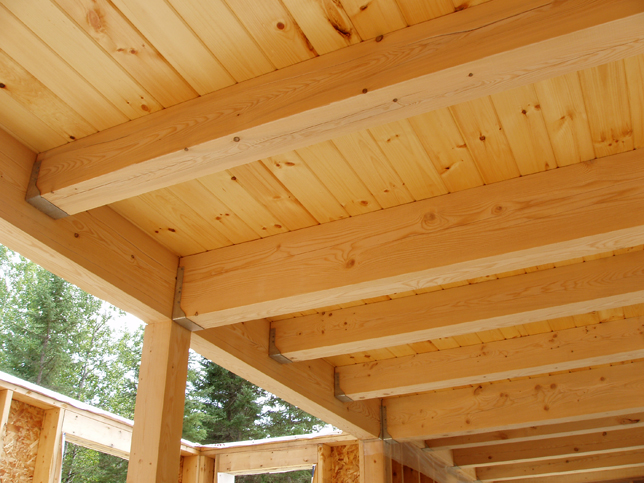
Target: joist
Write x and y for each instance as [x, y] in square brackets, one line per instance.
[276, 461]
[459, 57]
[138, 275]
[536, 433]
[562, 214]
[604, 442]
[628, 475]
[577, 464]
[243, 349]
[615, 341]
[565, 291]
[614, 390]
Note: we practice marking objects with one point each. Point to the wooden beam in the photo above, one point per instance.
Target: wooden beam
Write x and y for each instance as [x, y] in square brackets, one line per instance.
[275, 461]
[615, 476]
[85, 430]
[560, 398]
[547, 449]
[116, 262]
[558, 215]
[470, 54]
[535, 433]
[50, 448]
[198, 469]
[99, 251]
[577, 464]
[615, 341]
[243, 349]
[549, 294]
[158, 414]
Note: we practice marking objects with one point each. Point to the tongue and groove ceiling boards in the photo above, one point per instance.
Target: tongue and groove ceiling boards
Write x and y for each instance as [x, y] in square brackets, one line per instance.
[435, 206]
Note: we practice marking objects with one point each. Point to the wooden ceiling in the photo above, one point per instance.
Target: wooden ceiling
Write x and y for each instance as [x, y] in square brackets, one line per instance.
[474, 263]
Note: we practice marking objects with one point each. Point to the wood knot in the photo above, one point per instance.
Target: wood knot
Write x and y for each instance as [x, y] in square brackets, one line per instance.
[350, 263]
[280, 25]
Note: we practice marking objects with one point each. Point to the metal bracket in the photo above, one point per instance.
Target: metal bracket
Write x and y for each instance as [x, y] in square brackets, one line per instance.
[337, 390]
[178, 315]
[384, 434]
[273, 352]
[34, 198]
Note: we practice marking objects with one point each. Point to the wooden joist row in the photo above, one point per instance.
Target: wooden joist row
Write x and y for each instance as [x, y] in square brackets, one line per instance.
[563, 214]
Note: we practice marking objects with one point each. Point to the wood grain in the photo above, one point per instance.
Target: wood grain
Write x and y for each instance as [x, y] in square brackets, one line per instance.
[509, 359]
[99, 251]
[243, 349]
[557, 215]
[590, 444]
[303, 104]
[526, 402]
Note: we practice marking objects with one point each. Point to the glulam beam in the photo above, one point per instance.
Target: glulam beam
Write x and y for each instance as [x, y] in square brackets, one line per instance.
[473, 53]
[606, 391]
[559, 215]
[614, 341]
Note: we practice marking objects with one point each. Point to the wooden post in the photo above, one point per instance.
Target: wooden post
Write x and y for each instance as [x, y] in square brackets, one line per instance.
[5, 407]
[375, 464]
[323, 469]
[158, 415]
[198, 469]
[50, 448]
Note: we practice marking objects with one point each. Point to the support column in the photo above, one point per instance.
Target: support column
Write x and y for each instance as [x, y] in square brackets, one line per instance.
[375, 464]
[158, 415]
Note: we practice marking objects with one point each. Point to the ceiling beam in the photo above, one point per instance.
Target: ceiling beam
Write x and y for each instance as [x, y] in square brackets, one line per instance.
[107, 256]
[472, 53]
[535, 433]
[615, 341]
[529, 452]
[243, 350]
[612, 476]
[567, 466]
[548, 399]
[565, 291]
[554, 216]
[99, 251]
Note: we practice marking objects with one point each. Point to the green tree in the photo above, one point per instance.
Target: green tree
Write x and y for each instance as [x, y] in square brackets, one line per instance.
[55, 335]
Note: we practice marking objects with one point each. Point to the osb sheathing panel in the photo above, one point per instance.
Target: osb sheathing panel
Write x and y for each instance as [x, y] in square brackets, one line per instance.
[345, 464]
[20, 445]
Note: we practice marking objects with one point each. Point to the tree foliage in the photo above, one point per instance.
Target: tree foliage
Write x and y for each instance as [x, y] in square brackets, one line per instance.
[55, 335]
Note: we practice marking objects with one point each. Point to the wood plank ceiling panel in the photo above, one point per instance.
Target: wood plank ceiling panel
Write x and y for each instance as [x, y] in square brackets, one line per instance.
[225, 36]
[177, 42]
[635, 79]
[107, 26]
[40, 101]
[294, 173]
[375, 17]
[606, 96]
[330, 167]
[22, 45]
[325, 23]
[275, 31]
[76, 48]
